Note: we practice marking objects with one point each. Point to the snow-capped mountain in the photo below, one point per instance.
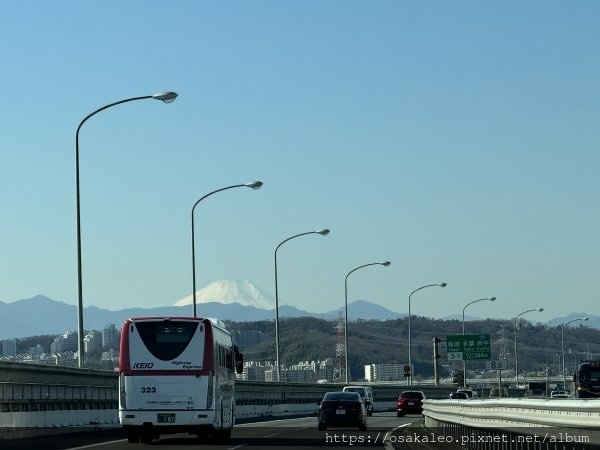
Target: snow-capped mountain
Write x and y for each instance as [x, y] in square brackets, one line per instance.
[228, 291]
[230, 301]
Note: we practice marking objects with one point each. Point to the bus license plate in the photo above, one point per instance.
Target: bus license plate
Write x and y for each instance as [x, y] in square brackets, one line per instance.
[165, 418]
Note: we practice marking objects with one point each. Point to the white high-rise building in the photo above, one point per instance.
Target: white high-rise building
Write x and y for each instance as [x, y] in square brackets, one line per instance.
[9, 347]
[92, 342]
[384, 372]
[65, 343]
[110, 336]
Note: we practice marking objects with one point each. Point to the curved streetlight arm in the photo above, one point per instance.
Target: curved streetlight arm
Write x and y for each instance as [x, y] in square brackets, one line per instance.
[515, 357]
[322, 232]
[108, 106]
[574, 320]
[385, 264]
[422, 287]
[214, 192]
[166, 97]
[409, 332]
[562, 346]
[254, 185]
[491, 299]
[528, 311]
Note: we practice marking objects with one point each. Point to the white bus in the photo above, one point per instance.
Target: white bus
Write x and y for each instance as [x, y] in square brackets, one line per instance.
[177, 374]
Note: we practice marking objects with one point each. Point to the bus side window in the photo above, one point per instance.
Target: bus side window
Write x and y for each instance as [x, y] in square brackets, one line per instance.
[229, 360]
[219, 353]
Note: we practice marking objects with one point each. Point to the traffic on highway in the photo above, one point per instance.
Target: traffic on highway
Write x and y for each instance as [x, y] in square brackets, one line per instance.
[385, 431]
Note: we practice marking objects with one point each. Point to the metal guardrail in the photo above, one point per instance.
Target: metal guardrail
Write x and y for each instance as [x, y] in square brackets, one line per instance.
[519, 412]
[546, 423]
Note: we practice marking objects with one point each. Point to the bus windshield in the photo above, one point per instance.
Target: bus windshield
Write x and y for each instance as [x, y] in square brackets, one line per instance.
[588, 375]
[166, 340]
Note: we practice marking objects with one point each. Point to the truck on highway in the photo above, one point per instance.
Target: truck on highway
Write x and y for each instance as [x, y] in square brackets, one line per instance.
[587, 379]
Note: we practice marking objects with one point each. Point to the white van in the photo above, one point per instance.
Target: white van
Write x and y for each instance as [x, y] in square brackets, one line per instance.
[367, 395]
[470, 392]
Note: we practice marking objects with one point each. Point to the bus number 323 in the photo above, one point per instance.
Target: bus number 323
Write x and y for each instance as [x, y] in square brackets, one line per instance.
[148, 390]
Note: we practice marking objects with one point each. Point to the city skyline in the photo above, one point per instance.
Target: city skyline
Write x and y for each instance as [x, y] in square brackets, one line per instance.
[456, 141]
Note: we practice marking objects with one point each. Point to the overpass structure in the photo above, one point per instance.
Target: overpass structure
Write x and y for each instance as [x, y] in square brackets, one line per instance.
[38, 400]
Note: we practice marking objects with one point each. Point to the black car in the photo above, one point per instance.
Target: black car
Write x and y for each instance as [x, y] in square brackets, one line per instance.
[342, 409]
[459, 395]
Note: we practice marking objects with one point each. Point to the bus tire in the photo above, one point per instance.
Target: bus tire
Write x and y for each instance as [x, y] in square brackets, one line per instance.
[226, 434]
[133, 436]
[146, 438]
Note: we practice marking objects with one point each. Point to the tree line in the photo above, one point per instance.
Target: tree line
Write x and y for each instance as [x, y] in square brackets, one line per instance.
[376, 342]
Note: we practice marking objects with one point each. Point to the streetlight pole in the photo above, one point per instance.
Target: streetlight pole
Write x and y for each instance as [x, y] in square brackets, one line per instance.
[491, 299]
[165, 97]
[254, 185]
[385, 264]
[409, 333]
[515, 357]
[322, 232]
[562, 346]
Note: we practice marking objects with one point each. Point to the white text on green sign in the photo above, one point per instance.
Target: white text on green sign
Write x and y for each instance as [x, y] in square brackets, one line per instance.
[468, 347]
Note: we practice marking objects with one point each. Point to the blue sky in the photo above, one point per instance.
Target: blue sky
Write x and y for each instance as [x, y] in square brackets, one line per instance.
[456, 139]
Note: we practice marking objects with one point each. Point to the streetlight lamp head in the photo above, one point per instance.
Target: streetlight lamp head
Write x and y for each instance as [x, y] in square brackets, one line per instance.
[443, 285]
[492, 299]
[385, 263]
[165, 97]
[540, 309]
[323, 232]
[585, 318]
[254, 185]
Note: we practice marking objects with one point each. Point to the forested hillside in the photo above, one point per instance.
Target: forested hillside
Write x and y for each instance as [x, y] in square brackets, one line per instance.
[369, 341]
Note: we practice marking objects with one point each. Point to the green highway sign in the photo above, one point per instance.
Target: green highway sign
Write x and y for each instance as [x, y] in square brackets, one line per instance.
[466, 347]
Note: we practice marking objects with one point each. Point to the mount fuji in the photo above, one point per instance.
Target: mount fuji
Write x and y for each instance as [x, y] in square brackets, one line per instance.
[228, 292]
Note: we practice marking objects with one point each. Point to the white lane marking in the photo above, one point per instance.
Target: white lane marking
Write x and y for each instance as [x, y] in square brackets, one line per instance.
[97, 445]
[252, 424]
[388, 445]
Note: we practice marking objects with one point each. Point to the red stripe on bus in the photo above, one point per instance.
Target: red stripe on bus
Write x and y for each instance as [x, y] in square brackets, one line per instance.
[124, 347]
[129, 373]
[209, 347]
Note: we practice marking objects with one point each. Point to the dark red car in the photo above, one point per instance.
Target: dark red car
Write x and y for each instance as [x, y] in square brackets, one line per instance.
[410, 402]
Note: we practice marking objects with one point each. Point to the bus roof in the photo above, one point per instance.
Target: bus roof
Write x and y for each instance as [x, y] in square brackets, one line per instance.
[217, 322]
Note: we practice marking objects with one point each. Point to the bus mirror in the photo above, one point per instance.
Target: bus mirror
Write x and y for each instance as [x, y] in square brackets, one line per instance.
[239, 361]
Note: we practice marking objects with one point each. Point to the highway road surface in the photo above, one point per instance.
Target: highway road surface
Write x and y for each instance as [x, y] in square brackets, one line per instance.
[385, 431]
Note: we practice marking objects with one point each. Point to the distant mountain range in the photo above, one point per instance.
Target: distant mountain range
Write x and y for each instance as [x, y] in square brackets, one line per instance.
[41, 315]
